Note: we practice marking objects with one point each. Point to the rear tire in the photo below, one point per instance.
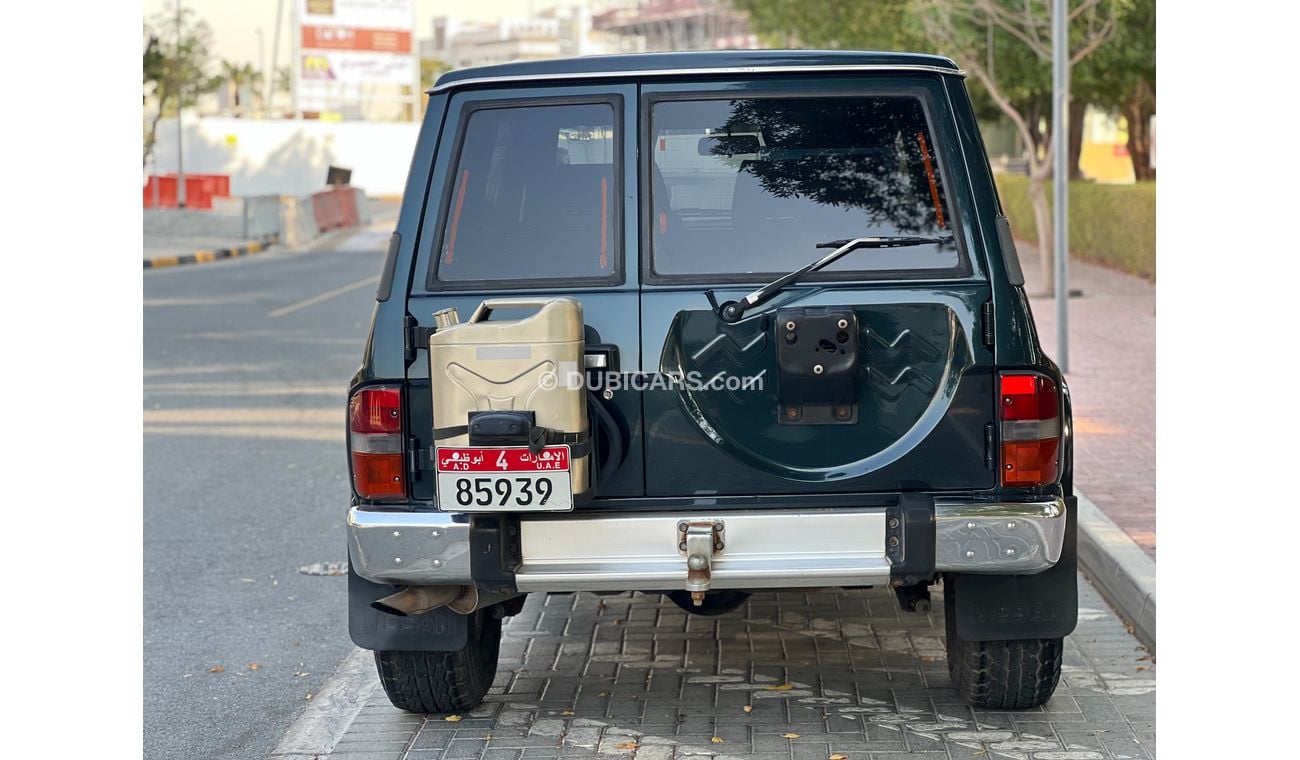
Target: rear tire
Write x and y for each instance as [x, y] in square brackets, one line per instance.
[1016, 674]
[440, 682]
[715, 602]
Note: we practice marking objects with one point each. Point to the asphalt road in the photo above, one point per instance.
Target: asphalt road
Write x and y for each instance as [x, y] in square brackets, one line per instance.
[246, 364]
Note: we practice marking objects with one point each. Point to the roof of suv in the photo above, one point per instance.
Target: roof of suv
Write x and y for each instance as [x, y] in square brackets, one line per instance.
[696, 62]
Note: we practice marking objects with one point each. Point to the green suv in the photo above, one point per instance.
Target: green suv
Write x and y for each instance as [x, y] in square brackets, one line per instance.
[774, 298]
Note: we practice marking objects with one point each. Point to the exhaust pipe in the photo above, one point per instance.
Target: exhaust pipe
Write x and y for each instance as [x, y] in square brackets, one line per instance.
[414, 600]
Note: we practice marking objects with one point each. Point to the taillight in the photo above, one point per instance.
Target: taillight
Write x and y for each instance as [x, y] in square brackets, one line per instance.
[1031, 430]
[375, 438]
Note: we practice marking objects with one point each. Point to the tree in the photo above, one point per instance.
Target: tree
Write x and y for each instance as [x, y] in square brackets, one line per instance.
[1005, 45]
[236, 77]
[175, 71]
[430, 70]
[880, 25]
[1121, 76]
[961, 27]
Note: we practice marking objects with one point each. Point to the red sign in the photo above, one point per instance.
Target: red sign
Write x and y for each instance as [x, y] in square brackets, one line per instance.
[473, 459]
[354, 38]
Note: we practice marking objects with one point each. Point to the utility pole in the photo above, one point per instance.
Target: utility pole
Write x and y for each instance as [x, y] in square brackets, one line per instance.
[295, 61]
[1061, 175]
[180, 111]
[274, 77]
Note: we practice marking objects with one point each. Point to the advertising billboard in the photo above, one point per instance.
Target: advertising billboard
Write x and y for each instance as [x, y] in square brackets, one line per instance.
[350, 49]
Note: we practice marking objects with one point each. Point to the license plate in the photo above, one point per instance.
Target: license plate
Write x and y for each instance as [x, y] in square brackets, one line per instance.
[511, 479]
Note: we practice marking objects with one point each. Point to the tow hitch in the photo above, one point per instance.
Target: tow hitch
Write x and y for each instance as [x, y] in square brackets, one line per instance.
[700, 540]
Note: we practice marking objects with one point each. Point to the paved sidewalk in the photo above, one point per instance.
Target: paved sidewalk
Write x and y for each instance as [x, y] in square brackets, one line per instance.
[177, 232]
[825, 674]
[1112, 381]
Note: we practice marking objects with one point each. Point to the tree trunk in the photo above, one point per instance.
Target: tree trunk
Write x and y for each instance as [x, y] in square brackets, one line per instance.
[1077, 110]
[1138, 112]
[1043, 227]
[152, 138]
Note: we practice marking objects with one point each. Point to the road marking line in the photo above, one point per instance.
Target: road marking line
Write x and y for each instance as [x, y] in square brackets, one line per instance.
[322, 297]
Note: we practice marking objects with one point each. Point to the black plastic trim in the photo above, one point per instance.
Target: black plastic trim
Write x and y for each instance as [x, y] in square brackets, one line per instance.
[912, 523]
[494, 551]
[1010, 257]
[390, 265]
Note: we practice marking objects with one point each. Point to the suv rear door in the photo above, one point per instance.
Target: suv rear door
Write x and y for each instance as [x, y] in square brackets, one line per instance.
[529, 198]
[739, 183]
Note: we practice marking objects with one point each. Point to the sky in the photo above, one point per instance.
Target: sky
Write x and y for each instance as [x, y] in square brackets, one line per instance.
[235, 22]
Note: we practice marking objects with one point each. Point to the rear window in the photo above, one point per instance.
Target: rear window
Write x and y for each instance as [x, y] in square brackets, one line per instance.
[751, 186]
[534, 196]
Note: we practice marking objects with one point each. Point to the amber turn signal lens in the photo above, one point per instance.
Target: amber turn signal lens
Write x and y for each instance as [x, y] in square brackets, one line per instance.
[378, 476]
[1029, 463]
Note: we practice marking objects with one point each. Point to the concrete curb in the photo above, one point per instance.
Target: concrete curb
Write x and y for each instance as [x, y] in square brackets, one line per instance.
[328, 716]
[204, 257]
[1123, 573]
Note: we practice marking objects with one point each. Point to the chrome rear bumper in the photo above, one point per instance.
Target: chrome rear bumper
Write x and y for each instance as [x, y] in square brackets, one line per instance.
[998, 539]
[750, 549]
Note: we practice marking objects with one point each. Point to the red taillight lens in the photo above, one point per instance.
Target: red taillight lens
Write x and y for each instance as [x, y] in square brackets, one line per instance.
[375, 439]
[376, 410]
[1031, 430]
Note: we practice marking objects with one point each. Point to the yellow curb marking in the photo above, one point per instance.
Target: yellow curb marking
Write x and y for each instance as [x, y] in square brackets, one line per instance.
[254, 247]
[165, 261]
[202, 257]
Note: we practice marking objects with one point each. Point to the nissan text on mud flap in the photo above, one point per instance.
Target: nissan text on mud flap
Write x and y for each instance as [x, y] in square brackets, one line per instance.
[807, 249]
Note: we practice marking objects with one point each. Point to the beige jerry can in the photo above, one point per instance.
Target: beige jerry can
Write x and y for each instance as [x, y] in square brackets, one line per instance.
[534, 364]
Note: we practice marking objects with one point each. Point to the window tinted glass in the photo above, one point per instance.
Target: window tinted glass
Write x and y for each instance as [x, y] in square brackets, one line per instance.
[751, 186]
[534, 196]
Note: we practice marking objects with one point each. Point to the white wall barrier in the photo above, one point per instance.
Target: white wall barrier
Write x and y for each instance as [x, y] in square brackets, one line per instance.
[284, 157]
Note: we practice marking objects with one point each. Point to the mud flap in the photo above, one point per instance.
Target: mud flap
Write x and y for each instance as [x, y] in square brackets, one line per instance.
[439, 630]
[1002, 607]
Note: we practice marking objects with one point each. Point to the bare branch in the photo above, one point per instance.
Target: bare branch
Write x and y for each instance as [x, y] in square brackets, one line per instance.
[1095, 42]
[1016, 26]
[939, 26]
[1084, 6]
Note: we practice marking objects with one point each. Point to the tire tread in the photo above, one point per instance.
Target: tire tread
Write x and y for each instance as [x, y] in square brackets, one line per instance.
[442, 682]
[1015, 674]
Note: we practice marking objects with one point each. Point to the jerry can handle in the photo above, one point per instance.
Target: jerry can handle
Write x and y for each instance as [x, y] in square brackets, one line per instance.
[485, 308]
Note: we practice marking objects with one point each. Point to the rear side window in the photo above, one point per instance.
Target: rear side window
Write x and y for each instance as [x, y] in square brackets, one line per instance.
[752, 186]
[534, 196]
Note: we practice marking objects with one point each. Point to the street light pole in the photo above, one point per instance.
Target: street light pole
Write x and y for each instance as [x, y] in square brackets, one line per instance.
[180, 111]
[1061, 175]
[261, 66]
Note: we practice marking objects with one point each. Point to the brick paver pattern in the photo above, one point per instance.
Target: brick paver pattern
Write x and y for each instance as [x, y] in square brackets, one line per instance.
[790, 676]
[1112, 381]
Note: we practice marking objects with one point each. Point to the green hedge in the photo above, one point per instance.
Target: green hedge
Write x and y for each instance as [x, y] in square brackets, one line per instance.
[1113, 225]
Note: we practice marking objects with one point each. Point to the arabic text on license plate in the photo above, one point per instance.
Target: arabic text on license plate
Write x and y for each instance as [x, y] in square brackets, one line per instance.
[483, 479]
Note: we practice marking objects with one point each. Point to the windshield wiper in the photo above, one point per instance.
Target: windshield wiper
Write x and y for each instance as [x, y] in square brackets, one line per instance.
[734, 311]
